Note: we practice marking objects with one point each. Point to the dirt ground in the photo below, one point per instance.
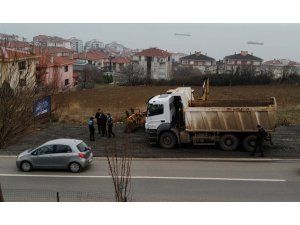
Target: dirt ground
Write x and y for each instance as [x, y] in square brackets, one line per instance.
[286, 143]
[78, 106]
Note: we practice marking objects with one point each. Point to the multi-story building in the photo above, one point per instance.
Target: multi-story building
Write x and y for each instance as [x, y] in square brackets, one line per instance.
[116, 47]
[242, 62]
[76, 44]
[280, 67]
[11, 37]
[175, 57]
[55, 72]
[205, 64]
[17, 68]
[93, 44]
[156, 63]
[49, 41]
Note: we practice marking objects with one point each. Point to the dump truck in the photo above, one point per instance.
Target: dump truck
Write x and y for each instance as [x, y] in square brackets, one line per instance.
[175, 117]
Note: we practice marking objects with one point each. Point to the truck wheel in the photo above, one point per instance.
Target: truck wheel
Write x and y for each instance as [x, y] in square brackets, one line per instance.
[167, 140]
[229, 142]
[249, 143]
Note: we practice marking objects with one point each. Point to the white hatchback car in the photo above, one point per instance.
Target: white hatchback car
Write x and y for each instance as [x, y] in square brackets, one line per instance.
[69, 154]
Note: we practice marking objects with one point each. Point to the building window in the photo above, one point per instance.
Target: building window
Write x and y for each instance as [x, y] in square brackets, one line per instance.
[230, 62]
[66, 68]
[191, 62]
[22, 65]
[66, 82]
[239, 62]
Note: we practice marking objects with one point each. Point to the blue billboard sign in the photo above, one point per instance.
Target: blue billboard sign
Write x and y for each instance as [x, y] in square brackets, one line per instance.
[42, 106]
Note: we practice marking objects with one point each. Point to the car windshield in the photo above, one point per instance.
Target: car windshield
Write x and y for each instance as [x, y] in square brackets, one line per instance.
[82, 147]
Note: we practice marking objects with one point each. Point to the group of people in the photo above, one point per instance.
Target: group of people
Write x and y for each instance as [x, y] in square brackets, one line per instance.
[104, 124]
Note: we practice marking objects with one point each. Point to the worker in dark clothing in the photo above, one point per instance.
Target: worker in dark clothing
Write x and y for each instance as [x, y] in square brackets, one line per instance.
[92, 129]
[97, 116]
[261, 135]
[110, 125]
[103, 120]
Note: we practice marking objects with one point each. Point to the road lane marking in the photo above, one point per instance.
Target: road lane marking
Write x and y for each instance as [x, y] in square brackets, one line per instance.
[147, 177]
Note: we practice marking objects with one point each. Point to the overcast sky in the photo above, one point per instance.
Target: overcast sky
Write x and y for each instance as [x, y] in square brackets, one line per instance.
[281, 41]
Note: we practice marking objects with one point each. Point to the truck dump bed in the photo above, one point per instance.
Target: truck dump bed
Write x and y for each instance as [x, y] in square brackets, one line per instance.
[230, 115]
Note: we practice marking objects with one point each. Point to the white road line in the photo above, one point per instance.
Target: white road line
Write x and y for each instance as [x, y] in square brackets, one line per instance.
[148, 177]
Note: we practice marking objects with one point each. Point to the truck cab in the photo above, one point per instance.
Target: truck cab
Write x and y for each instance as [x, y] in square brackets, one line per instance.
[165, 116]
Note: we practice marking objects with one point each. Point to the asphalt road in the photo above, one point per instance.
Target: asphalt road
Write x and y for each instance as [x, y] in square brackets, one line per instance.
[161, 180]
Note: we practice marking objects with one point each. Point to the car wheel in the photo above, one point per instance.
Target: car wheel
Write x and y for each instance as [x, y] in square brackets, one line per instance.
[74, 167]
[26, 166]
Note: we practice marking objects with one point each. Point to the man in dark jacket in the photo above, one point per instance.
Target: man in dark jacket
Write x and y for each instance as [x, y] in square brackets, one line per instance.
[97, 116]
[103, 120]
[260, 137]
[110, 125]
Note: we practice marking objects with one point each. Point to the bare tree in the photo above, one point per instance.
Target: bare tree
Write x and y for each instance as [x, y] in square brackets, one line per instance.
[134, 74]
[119, 160]
[88, 75]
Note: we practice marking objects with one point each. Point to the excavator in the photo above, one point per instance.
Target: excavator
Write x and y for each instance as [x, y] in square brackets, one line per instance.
[134, 120]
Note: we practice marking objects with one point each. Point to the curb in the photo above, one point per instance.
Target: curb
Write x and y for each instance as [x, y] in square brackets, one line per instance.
[258, 159]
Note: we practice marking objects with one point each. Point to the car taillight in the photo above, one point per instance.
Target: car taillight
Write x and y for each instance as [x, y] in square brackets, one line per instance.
[81, 155]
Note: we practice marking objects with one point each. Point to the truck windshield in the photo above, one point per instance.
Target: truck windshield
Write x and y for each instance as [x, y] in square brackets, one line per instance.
[155, 109]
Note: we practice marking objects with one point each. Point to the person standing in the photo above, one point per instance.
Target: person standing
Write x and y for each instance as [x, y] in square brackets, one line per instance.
[98, 118]
[91, 129]
[260, 137]
[110, 125]
[103, 120]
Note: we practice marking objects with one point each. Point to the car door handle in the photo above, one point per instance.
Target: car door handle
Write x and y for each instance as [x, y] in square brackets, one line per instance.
[162, 121]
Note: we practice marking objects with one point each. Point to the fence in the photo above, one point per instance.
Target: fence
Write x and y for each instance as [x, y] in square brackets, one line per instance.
[22, 195]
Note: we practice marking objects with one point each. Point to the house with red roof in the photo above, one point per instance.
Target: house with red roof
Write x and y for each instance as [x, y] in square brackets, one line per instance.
[55, 72]
[17, 68]
[96, 58]
[118, 64]
[156, 63]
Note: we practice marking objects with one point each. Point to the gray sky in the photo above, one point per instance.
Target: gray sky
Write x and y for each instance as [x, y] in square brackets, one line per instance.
[281, 41]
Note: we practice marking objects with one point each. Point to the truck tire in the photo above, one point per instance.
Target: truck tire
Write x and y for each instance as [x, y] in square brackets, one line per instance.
[249, 143]
[167, 140]
[228, 142]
